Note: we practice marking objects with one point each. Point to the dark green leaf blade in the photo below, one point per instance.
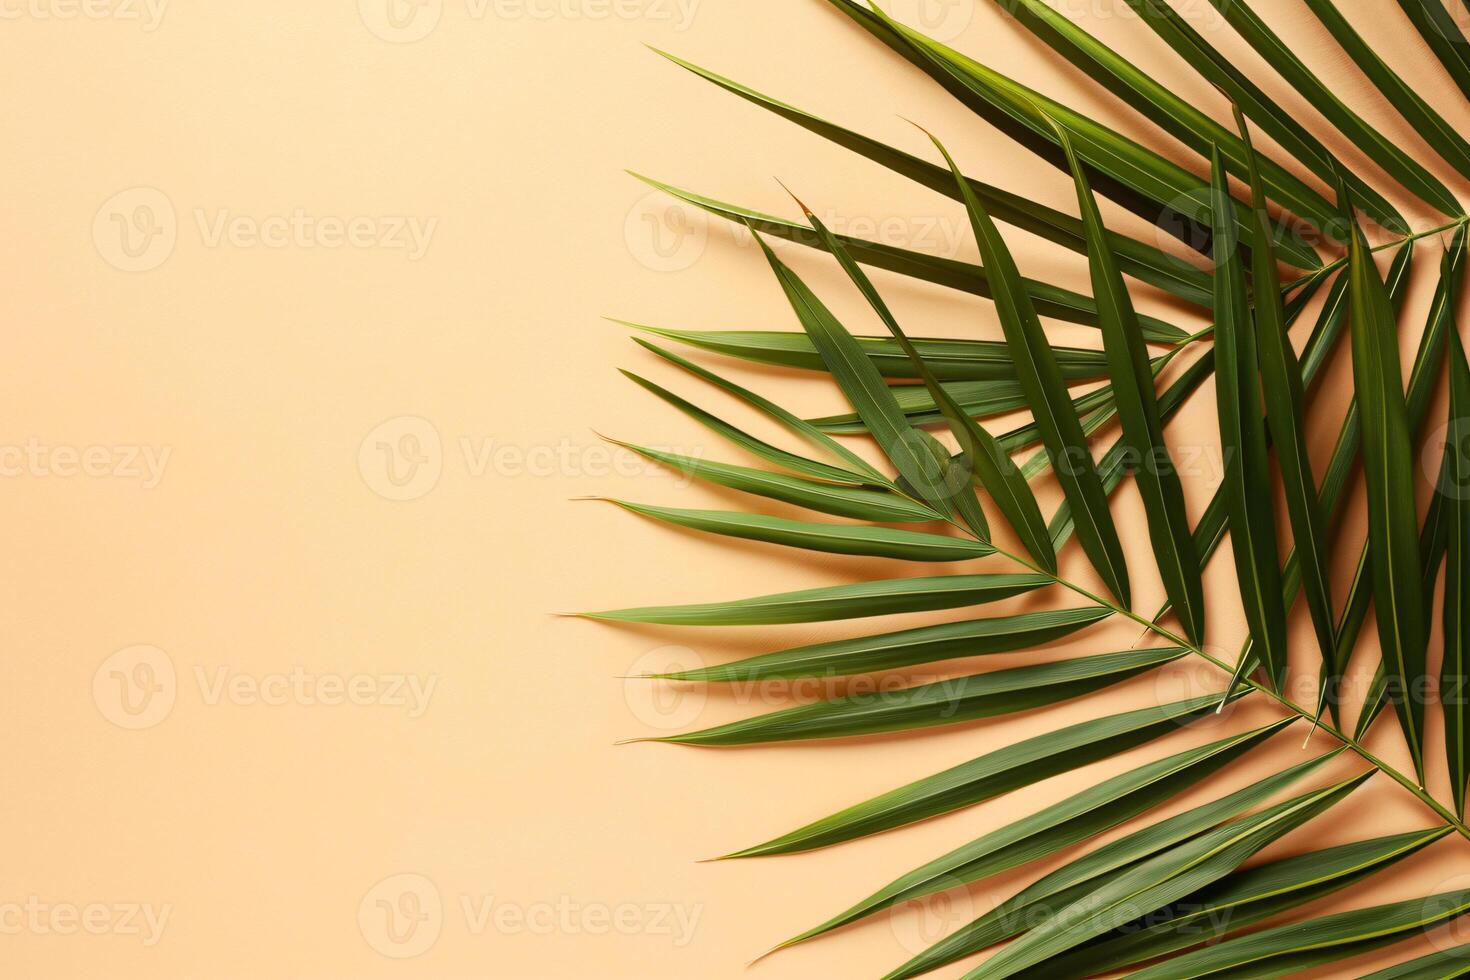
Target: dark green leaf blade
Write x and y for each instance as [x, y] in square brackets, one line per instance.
[1281, 383]
[1243, 899]
[1455, 675]
[1060, 888]
[859, 503]
[1146, 262]
[1260, 107]
[1438, 133]
[947, 702]
[1443, 35]
[1393, 524]
[988, 463]
[1077, 818]
[1143, 430]
[1384, 152]
[905, 648]
[1061, 431]
[991, 775]
[1247, 483]
[1160, 881]
[1290, 949]
[1053, 301]
[838, 539]
[887, 597]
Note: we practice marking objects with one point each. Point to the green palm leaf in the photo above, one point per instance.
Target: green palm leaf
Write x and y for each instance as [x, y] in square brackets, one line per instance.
[1456, 480]
[1259, 107]
[1384, 152]
[993, 774]
[1036, 370]
[862, 599]
[1388, 467]
[1062, 887]
[1439, 31]
[1083, 815]
[905, 648]
[1247, 482]
[1143, 429]
[947, 702]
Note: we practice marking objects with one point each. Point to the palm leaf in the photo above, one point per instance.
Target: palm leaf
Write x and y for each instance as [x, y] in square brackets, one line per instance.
[1243, 440]
[1439, 31]
[1456, 481]
[993, 774]
[947, 702]
[1053, 301]
[1259, 107]
[1077, 818]
[1062, 887]
[1384, 152]
[1393, 529]
[1037, 372]
[862, 599]
[1143, 429]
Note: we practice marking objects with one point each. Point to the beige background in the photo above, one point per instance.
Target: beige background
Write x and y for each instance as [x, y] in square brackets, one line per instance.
[179, 640]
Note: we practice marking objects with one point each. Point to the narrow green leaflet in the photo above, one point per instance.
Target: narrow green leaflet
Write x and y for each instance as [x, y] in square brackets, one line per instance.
[1384, 152]
[1455, 676]
[910, 453]
[1052, 301]
[1291, 949]
[1443, 35]
[1388, 466]
[1247, 484]
[1160, 881]
[1106, 804]
[1281, 383]
[860, 467]
[1057, 422]
[1438, 133]
[1146, 262]
[756, 446]
[1442, 964]
[1261, 108]
[839, 539]
[949, 360]
[887, 597]
[978, 399]
[1159, 103]
[947, 702]
[984, 458]
[905, 648]
[1072, 881]
[859, 503]
[1150, 182]
[991, 775]
[1241, 900]
[1138, 407]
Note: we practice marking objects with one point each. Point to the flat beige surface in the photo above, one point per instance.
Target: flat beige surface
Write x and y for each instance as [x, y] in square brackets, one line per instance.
[304, 357]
